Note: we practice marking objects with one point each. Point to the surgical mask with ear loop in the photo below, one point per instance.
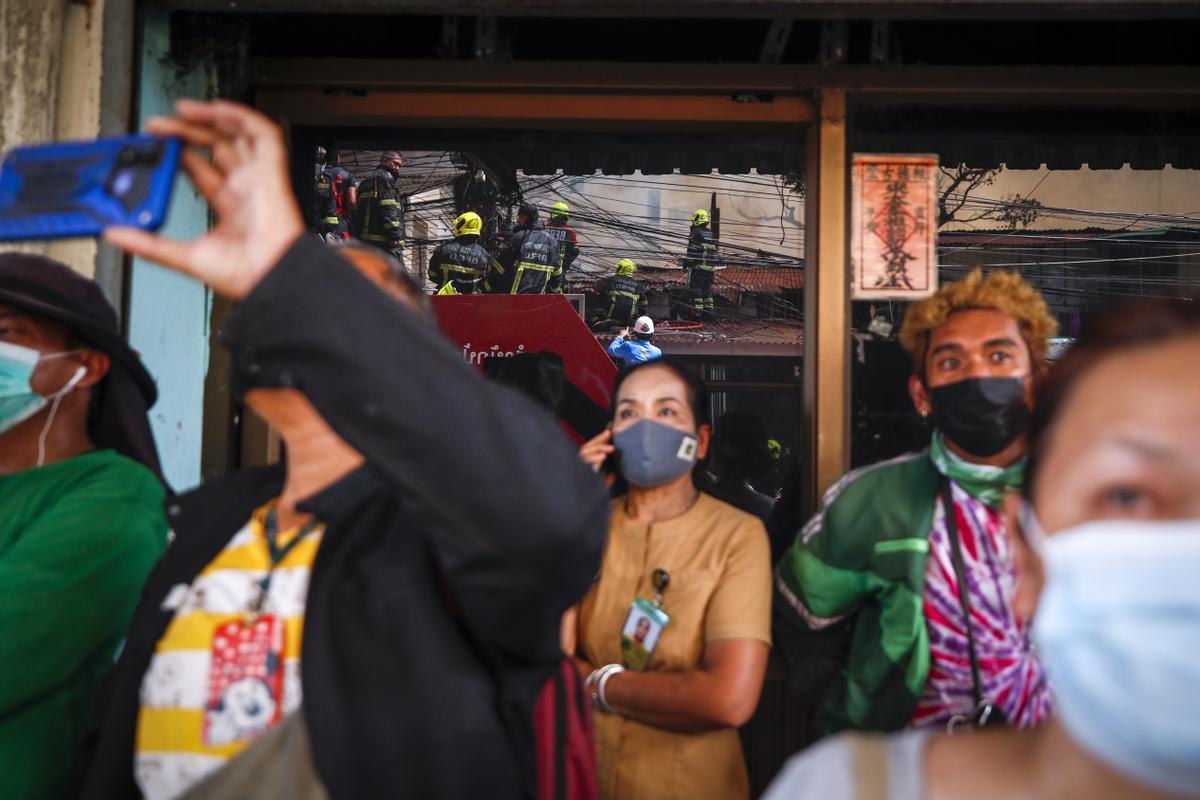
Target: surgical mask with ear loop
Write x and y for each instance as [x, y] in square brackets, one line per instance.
[18, 400]
[1117, 627]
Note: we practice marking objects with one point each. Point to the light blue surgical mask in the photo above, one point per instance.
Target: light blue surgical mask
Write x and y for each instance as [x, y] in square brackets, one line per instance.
[653, 454]
[1118, 630]
[18, 400]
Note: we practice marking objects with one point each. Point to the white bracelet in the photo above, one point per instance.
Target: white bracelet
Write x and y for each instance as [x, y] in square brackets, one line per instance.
[603, 681]
[593, 681]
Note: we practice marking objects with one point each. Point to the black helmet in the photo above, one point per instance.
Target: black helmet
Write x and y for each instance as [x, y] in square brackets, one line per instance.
[529, 212]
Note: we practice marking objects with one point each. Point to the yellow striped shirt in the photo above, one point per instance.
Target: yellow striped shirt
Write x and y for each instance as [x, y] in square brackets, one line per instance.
[171, 754]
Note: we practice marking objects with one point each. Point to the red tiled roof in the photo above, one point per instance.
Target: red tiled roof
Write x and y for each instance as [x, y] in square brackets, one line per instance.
[726, 331]
[728, 283]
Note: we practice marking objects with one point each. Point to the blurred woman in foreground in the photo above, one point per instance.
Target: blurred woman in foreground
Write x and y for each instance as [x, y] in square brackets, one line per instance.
[1109, 544]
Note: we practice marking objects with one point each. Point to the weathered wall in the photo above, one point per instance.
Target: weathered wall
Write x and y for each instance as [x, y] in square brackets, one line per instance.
[30, 32]
[30, 35]
[50, 81]
[1105, 198]
[78, 104]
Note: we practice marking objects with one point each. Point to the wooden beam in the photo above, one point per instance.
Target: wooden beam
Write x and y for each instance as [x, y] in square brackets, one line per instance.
[725, 9]
[972, 84]
[523, 109]
[827, 297]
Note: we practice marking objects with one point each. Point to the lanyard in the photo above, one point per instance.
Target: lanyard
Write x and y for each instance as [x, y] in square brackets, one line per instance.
[984, 713]
[277, 553]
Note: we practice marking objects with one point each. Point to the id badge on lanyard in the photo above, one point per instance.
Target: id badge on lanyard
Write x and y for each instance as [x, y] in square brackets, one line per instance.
[245, 680]
[644, 625]
[244, 697]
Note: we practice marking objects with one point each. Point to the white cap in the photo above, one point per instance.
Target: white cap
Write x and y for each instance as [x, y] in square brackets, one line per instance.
[644, 325]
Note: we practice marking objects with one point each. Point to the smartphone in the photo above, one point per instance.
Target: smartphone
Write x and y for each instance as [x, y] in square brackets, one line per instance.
[64, 189]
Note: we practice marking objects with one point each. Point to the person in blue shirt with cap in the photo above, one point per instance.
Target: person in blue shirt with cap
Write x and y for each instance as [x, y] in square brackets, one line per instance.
[637, 348]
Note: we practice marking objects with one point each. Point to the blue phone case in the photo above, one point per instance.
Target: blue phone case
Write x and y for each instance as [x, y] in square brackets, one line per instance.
[54, 191]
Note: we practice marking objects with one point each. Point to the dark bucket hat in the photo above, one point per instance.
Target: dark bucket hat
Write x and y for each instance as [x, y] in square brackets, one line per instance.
[53, 290]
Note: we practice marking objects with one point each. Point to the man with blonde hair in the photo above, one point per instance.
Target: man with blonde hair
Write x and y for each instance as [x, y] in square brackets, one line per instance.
[893, 602]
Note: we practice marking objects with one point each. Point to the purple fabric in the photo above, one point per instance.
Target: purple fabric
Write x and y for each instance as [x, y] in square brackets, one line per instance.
[1012, 677]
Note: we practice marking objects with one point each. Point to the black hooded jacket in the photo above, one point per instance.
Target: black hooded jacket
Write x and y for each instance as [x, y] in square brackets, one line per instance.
[528, 263]
[433, 607]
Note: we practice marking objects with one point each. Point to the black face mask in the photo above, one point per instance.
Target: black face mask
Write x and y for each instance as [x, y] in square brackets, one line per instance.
[981, 415]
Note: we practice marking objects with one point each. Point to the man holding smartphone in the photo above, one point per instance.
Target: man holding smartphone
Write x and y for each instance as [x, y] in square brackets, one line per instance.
[413, 629]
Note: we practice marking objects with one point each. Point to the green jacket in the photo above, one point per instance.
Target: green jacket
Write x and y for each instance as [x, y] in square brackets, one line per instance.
[849, 610]
[77, 540]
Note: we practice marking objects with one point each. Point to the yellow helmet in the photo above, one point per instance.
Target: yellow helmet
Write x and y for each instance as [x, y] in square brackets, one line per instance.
[468, 224]
[626, 267]
[560, 209]
[700, 218]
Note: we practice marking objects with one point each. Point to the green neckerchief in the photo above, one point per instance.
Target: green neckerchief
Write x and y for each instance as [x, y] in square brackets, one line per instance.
[985, 483]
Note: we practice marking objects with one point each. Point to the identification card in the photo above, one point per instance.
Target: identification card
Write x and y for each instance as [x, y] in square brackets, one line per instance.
[245, 680]
[640, 634]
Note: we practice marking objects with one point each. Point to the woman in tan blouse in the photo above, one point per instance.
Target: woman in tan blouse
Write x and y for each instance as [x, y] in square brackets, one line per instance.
[670, 730]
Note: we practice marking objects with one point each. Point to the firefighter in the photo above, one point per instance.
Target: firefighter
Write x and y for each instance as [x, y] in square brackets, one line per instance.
[528, 260]
[335, 194]
[378, 218]
[701, 260]
[462, 263]
[626, 298]
[568, 239]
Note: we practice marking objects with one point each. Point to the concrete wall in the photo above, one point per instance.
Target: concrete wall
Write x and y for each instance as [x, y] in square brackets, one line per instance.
[50, 87]
[29, 67]
[1126, 192]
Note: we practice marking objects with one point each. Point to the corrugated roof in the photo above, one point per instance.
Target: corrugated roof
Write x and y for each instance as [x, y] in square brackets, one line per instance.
[729, 282]
[726, 331]
[1057, 237]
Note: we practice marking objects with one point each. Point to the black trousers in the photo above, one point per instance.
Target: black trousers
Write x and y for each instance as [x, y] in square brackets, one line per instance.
[701, 283]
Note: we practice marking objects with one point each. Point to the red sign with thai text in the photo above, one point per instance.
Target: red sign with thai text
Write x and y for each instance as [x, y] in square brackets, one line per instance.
[501, 326]
[893, 226]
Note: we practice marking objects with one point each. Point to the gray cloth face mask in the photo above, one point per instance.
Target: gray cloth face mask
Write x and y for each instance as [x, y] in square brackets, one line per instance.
[653, 454]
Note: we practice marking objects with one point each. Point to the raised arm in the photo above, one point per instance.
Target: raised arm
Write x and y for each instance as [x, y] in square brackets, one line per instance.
[524, 532]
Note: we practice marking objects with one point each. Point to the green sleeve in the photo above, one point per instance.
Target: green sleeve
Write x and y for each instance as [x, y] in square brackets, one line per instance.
[70, 582]
[822, 576]
[819, 584]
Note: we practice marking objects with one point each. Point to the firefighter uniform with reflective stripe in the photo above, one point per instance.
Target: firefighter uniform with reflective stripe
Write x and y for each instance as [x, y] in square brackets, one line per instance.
[626, 300]
[330, 216]
[568, 245]
[379, 216]
[528, 263]
[701, 261]
[462, 263]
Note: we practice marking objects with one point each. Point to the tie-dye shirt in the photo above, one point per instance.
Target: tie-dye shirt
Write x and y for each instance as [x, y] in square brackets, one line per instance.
[1012, 677]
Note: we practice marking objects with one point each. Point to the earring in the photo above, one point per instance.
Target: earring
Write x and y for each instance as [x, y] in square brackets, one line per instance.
[924, 413]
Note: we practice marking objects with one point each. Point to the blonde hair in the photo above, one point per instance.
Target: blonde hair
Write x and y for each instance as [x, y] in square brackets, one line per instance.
[1006, 292]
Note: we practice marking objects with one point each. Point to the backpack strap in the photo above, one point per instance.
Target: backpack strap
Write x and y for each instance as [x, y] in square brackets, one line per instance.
[868, 757]
[560, 735]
